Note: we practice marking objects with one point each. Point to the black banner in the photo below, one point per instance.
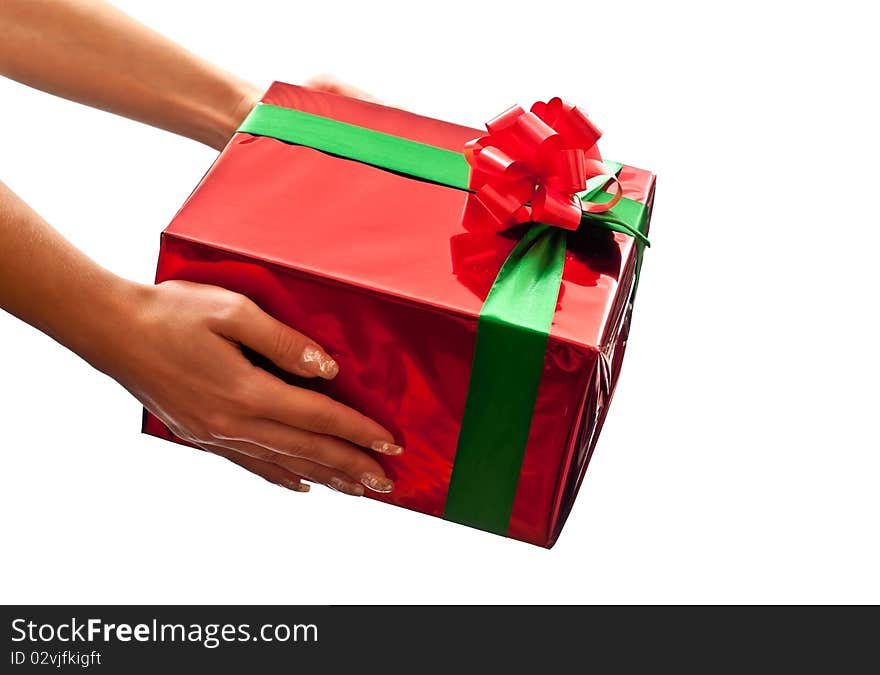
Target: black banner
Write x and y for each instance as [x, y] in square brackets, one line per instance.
[120, 639]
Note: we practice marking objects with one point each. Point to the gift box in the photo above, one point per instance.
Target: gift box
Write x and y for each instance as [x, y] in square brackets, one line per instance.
[490, 352]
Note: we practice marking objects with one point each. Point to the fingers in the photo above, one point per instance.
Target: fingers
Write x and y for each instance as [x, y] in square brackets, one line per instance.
[285, 347]
[325, 450]
[309, 410]
[290, 420]
[333, 85]
[243, 454]
[271, 472]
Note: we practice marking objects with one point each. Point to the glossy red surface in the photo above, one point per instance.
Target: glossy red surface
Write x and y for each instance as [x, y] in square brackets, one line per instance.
[379, 270]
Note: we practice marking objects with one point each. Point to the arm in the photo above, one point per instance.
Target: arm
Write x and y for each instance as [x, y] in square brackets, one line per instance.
[90, 52]
[186, 365]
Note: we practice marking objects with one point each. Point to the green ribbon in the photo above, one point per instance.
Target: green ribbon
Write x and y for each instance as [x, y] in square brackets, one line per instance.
[512, 334]
[392, 153]
[514, 322]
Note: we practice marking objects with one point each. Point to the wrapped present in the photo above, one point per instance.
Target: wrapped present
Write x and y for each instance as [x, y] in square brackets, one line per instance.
[475, 287]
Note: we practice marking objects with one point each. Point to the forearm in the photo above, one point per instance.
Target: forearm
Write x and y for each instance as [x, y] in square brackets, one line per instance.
[47, 282]
[90, 52]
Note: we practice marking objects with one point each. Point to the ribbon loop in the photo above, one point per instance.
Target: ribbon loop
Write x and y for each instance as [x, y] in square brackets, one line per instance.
[552, 148]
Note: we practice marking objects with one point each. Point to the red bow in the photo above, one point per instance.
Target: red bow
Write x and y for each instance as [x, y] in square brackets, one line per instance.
[530, 167]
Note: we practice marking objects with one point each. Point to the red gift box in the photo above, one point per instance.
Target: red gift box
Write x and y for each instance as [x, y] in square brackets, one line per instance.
[379, 269]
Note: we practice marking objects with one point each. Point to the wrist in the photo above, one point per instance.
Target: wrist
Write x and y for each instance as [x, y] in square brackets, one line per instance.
[240, 100]
[112, 324]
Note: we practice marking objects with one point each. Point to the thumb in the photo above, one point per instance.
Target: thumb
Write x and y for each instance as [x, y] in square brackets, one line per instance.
[281, 344]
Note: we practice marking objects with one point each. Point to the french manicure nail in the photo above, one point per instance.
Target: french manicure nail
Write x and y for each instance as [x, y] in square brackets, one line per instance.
[386, 448]
[295, 485]
[319, 363]
[345, 487]
[377, 483]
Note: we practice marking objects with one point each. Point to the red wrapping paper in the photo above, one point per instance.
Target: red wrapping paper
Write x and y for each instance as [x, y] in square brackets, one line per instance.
[378, 269]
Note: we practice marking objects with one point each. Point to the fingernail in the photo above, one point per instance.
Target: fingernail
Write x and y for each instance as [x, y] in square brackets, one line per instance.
[345, 487]
[386, 448]
[319, 363]
[295, 485]
[377, 483]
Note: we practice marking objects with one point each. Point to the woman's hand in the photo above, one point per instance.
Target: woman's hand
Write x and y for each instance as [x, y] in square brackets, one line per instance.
[187, 368]
[333, 85]
[177, 348]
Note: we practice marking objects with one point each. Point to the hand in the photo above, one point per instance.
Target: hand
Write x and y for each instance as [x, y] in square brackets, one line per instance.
[333, 85]
[188, 369]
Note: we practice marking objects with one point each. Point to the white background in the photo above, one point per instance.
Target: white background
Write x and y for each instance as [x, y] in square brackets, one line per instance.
[739, 462]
